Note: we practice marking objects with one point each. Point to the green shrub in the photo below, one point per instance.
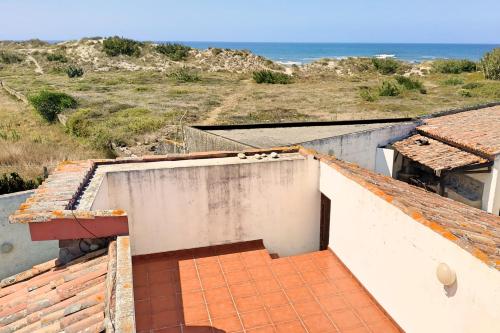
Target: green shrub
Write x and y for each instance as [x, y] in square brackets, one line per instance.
[49, 104]
[73, 71]
[386, 66]
[464, 93]
[57, 57]
[453, 81]
[10, 183]
[118, 127]
[472, 85]
[454, 66]
[367, 94]
[490, 64]
[267, 76]
[183, 74]
[175, 52]
[410, 84]
[114, 46]
[7, 57]
[216, 51]
[389, 88]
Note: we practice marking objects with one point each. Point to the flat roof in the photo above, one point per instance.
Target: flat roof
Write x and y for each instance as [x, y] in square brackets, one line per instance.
[286, 136]
[477, 131]
[234, 288]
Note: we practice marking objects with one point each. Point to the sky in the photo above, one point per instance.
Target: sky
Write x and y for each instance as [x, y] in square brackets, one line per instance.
[395, 21]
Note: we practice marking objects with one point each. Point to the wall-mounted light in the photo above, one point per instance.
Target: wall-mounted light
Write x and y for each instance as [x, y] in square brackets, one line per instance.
[6, 247]
[445, 274]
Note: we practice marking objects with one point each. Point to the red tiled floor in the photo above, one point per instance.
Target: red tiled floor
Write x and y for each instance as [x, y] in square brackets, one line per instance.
[239, 288]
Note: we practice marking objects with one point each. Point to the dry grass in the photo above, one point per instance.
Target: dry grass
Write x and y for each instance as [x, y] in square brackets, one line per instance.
[28, 143]
[109, 99]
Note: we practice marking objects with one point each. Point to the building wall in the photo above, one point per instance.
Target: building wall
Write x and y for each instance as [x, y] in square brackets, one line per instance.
[188, 207]
[361, 147]
[196, 140]
[395, 258]
[24, 253]
[491, 191]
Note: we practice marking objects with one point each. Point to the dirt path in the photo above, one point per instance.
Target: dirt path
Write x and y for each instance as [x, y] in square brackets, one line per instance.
[38, 68]
[229, 103]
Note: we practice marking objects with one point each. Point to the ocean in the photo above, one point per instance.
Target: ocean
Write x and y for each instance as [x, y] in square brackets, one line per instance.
[300, 53]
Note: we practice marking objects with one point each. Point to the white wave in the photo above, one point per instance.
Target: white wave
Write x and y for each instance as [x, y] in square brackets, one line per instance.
[289, 63]
[385, 56]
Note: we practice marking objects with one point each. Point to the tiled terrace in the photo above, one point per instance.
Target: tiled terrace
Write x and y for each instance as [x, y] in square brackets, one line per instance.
[240, 288]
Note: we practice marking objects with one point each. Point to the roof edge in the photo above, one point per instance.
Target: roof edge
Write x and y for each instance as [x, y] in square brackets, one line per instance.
[411, 212]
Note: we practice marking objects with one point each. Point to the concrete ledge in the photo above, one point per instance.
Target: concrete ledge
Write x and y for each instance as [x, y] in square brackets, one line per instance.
[124, 293]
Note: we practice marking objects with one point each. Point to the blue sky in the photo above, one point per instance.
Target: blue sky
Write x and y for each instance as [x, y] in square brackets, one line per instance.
[433, 21]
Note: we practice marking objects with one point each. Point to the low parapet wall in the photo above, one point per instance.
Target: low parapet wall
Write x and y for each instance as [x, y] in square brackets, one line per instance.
[196, 140]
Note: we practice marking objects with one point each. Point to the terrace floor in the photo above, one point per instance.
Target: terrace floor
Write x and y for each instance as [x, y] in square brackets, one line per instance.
[240, 288]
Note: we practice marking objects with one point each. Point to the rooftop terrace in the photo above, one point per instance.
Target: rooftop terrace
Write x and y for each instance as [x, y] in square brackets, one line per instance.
[390, 235]
[239, 288]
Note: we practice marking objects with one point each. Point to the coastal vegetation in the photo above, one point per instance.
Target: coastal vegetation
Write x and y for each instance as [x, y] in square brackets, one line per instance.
[386, 66]
[49, 103]
[12, 182]
[57, 57]
[271, 77]
[115, 46]
[133, 98]
[490, 64]
[175, 52]
[8, 57]
[74, 71]
[183, 75]
[454, 66]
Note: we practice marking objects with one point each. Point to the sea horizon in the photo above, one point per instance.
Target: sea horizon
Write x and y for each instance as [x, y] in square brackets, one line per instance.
[303, 53]
[298, 53]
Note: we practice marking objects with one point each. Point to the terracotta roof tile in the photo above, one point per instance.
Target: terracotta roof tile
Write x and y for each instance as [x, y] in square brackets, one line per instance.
[435, 154]
[476, 131]
[52, 297]
[474, 230]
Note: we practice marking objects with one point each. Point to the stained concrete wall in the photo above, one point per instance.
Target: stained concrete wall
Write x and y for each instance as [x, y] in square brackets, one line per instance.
[189, 204]
[395, 258]
[361, 147]
[196, 140]
[23, 252]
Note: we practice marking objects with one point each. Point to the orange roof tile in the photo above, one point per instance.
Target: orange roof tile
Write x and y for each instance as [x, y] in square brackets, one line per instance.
[436, 155]
[55, 297]
[472, 229]
[476, 131]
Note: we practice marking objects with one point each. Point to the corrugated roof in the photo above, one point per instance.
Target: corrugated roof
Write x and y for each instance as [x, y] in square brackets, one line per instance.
[472, 229]
[477, 131]
[54, 298]
[435, 154]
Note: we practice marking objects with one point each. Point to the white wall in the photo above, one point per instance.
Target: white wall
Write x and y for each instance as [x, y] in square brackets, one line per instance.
[177, 207]
[491, 192]
[361, 147]
[24, 253]
[395, 258]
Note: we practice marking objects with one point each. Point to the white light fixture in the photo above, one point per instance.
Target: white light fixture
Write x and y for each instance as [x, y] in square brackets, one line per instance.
[445, 274]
